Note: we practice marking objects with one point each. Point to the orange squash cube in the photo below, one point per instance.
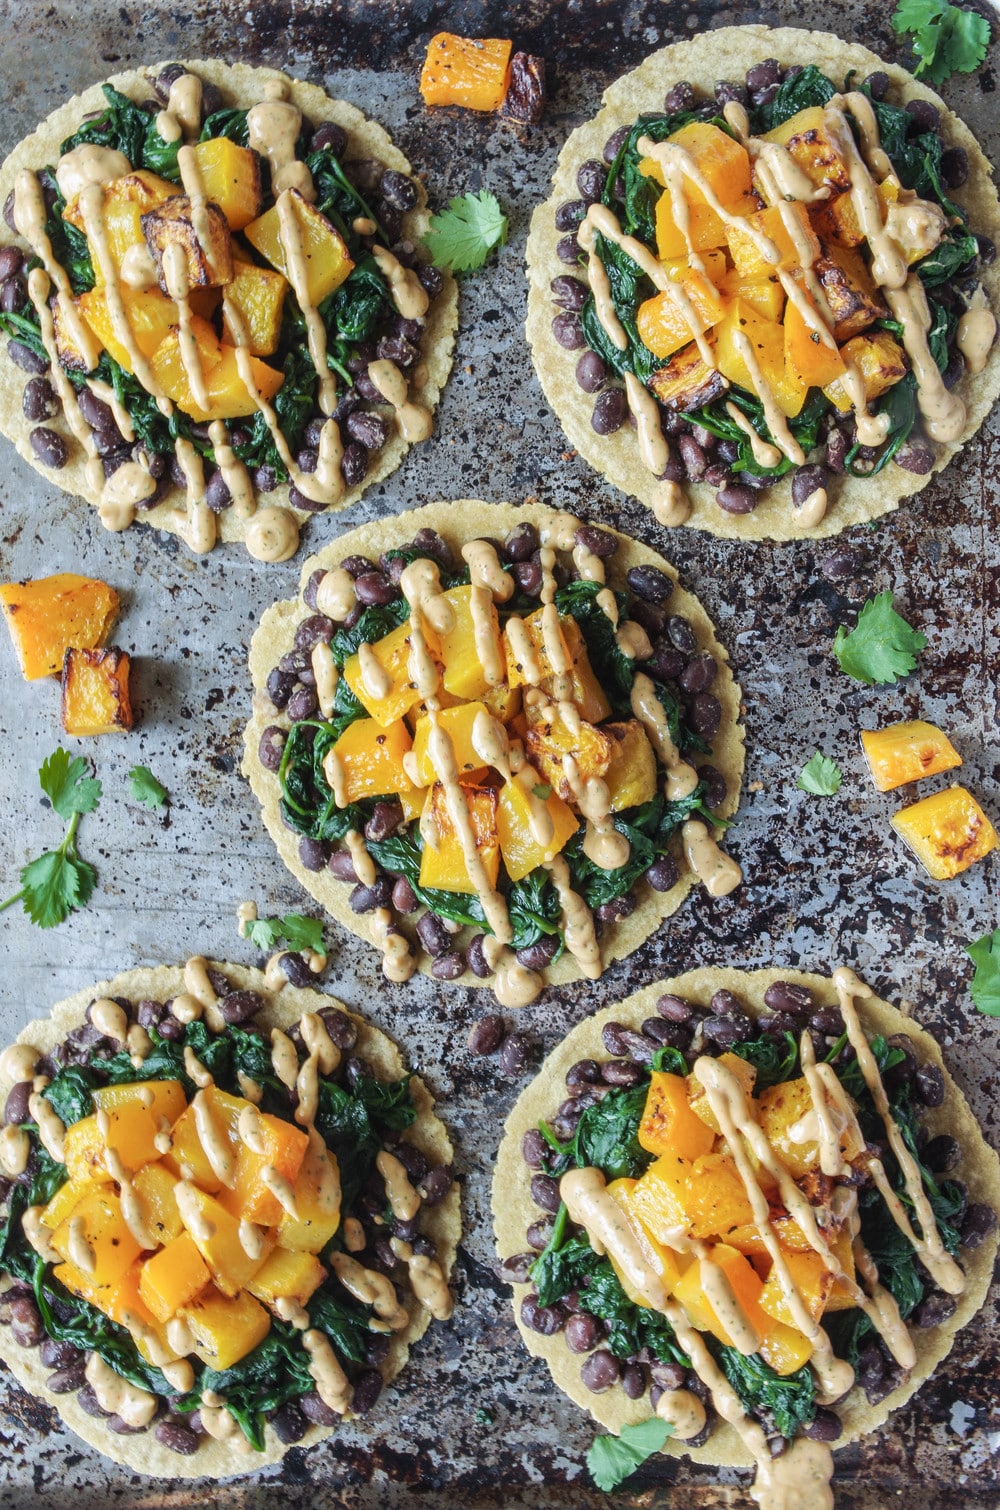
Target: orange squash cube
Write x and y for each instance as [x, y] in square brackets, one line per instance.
[155, 1186]
[457, 724]
[700, 1104]
[444, 867]
[849, 289]
[287, 1275]
[187, 1159]
[124, 1299]
[879, 358]
[814, 147]
[521, 850]
[907, 751]
[786, 1349]
[631, 777]
[664, 1262]
[105, 1233]
[750, 262]
[725, 165]
[463, 669]
[50, 615]
[207, 248]
[370, 755]
[661, 1197]
[150, 316]
[664, 324]
[230, 178]
[173, 1277]
[134, 1115]
[840, 1297]
[767, 340]
[328, 262]
[743, 1282]
[669, 1125]
[587, 692]
[789, 1234]
[285, 1148]
[947, 832]
[126, 200]
[811, 1278]
[765, 295]
[317, 1202]
[216, 1235]
[64, 1202]
[473, 72]
[81, 1285]
[547, 746]
[95, 695]
[227, 394]
[781, 1110]
[808, 358]
[225, 1328]
[717, 1200]
[257, 294]
[83, 1152]
[392, 653]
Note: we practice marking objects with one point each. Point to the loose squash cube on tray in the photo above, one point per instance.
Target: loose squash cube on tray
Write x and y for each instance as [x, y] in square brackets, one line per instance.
[50, 615]
[208, 258]
[443, 866]
[95, 691]
[947, 832]
[473, 72]
[907, 751]
[328, 262]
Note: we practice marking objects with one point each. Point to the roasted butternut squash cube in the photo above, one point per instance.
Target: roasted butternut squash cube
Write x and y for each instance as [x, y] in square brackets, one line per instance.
[225, 1328]
[661, 1197]
[187, 1159]
[287, 1275]
[717, 1200]
[587, 693]
[742, 1281]
[668, 1124]
[328, 262]
[750, 261]
[208, 257]
[767, 340]
[469, 71]
[786, 1349]
[123, 1301]
[548, 744]
[73, 356]
[82, 1285]
[155, 1185]
[230, 178]
[102, 1227]
[811, 1278]
[809, 358]
[879, 358]
[151, 316]
[664, 1262]
[83, 1151]
[907, 751]
[725, 165]
[64, 1202]
[317, 1202]
[443, 867]
[227, 394]
[284, 1149]
[814, 146]
[947, 832]
[392, 653]
[700, 1104]
[95, 695]
[789, 1234]
[370, 755]
[135, 1113]
[503, 702]
[464, 674]
[173, 1277]
[666, 324]
[216, 1236]
[782, 1111]
[457, 724]
[521, 828]
[850, 292]
[257, 294]
[126, 200]
[713, 260]
[840, 1297]
[631, 776]
[765, 295]
[686, 382]
[50, 615]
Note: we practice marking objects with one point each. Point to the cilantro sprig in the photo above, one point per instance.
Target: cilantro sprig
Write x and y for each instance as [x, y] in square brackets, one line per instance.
[59, 881]
[293, 929]
[612, 1459]
[461, 237]
[146, 789]
[984, 988]
[821, 776]
[946, 39]
[882, 648]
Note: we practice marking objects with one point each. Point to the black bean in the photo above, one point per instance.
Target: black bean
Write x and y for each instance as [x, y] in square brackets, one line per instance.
[539, 1232]
[25, 1322]
[398, 190]
[613, 1038]
[341, 865]
[902, 1073]
[663, 874]
[614, 144]
[610, 411]
[171, 1029]
[760, 75]
[534, 1149]
[515, 1269]
[591, 177]
[705, 715]
[317, 1411]
[89, 1403]
[727, 89]
[613, 912]
[601, 542]
[871, 1366]
[699, 673]
[515, 1054]
[8, 211]
[431, 280]
[71, 1376]
[373, 588]
[475, 957]
[29, 361]
[737, 499]
[666, 664]
[367, 1388]
[762, 97]
[787, 996]
[929, 1086]
[569, 214]
[568, 292]
[621, 1072]
[539, 954]
[942, 1154]
[591, 372]
[312, 631]
[449, 966]
[545, 1193]
[979, 1221]
[715, 786]
[877, 84]
[650, 584]
[568, 330]
[934, 1310]
[915, 456]
[676, 1035]
[367, 898]
[547, 1320]
[295, 970]
[331, 136]
[600, 1371]
[371, 430]
[39, 401]
[582, 1332]
[313, 853]
[405, 354]
[49, 446]
[16, 1110]
[717, 476]
[280, 685]
[568, 250]
[521, 543]
[842, 563]
[836, 451]
[725, 1004]
[55, 1354]
[583, 1073]
[724, 1032]
[827, 1023]
[825, 1426]
[302, 704]
[486, 1035]
[430, 543]
[404, 898]
[11, 260]
[384, 821]
[528, 576]
[634, 1381]
[240, 1006]
[926, 117]
[806, 481]
[13, 295]
[433, 934]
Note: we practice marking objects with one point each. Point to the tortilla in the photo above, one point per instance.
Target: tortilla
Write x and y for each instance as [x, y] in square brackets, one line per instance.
[727, 53]
[514, 1210]
[241, 86]
[458, 522]
[442, 1223]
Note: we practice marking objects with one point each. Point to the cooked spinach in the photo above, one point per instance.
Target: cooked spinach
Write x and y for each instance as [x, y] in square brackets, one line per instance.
[810, 87]
[26, 330]
[400, 855]
[789, 1401]
[230, 123]
[606, 1136]
[562, 1262]
[629, 287]
[614, 672]
[307, 803]
[774, 1059]
[121, 127]
[68, 1093]
[294, 405]
[649, 830]
[670, 1061]
[805, 427]
[376, 622]
[336, 197]
[533, 904]
[353, 1124]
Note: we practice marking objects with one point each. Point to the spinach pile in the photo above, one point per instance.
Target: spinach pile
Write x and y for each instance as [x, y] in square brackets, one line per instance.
[354, 1120]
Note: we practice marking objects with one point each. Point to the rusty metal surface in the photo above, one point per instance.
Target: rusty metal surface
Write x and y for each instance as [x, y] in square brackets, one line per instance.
[473, 1422]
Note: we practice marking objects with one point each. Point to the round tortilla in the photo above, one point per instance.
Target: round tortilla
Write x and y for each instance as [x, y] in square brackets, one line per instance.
[514, 1210]
[241, 86]
[728, 53]
[442, 1223]
[458, 522]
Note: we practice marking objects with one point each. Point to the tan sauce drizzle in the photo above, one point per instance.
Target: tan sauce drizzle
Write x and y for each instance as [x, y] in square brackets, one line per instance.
[413, 420]
[186, 1008]
[633, 641]
[195, 1070]
[191, 1214]
[403, 1199]
[799, 1477]
[332, 1384]
[577, 920]
[250, 1130]
[18, 1061]
[234, 473]
[251, 1239]
[683, 1411]
[184, 102]
[410, 298]
[196, 524]
[318, 1041]
[717, 871]
[175, 275]
[524, 652]
[168, 126]
[284, 1059]
[37, 1234]
[250, 1088]
[180, 1336]
[602, 843]
[38, 292]
[364, 865]
[116, 1395]
[133, 1209]
[51, 1130]
[375, 679]
[652, 446]
[764, 454]
[776, 421]
[296, 265]
[427, 1280]
[281, 1188]
[371, 1288]
[487, 645]
[977, 331]
[324, 669]
[681, 778]
[514, 985]
[600, 287]
[109, 1018]
[30, 216]
[336, 594]
[15, 1150]
[828, 1133]
[812, 511]
[273, 534]
[590, 1207]
[307, 1092]
[107, 395]
[198, 982]
[673, 158]
[363, 226]
[889, 267]
[398, 962]
[89, 164]
[273, 128]
[213, 1140]
[669, 503]
[353, 1234]
[944, 412]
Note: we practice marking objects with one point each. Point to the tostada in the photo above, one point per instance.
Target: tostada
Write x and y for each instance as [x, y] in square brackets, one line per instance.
[776, 254]
[218, 318]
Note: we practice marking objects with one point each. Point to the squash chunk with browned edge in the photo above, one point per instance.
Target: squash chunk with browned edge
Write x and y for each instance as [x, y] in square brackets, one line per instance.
[95, 691]
[716, 1199]
[947, 832]
[521, 828]
[173, 1277]
[907, 751]
[811, 1278]
[469, 71]
[284, 1149]
[880, 360]
[327, 259]
[780, 1111]
[686, 382]
[225, 1328]
[668, 1124]
[230, 178]
[368, 760]
[814, 146]
[287, 1275]
[749, 258]
[443, 866]
[700, 1104]
[317, 1202]
[851, 295]
[207, 252]
[548, 745]
[257, 296]
[50, 615]
[631, 776]
[126, 200]
[661, 1196]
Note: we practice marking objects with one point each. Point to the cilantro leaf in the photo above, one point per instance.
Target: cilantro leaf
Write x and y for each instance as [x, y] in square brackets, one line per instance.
[146, 789]
[821, 776]
[946, 39]
[65, 782]
[882, 648]
[984, 988]
[293, 929]
[612, 1459]
[461, 237]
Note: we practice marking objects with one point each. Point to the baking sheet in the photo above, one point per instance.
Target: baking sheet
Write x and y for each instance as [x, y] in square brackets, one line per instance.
[473, 1422]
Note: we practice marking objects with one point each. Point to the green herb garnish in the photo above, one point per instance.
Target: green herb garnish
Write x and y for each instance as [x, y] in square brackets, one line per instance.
[612, 1459]
[984, 988]
[59, 882]
[882, 648]
[821, 776]
[293, 929]
[146, 789]
[946, 38]
[461, 237]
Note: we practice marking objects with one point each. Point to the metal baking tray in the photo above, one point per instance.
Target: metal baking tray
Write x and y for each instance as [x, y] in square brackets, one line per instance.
[473, 1422]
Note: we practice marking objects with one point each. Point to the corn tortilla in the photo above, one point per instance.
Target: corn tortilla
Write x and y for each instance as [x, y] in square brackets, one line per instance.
[241, 86]
[464, 520]
[514, 1210]
[728, 53]
[142, 1452]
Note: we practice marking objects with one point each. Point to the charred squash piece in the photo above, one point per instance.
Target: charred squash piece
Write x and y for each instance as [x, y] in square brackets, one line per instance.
[631, 776]
[809, 140]
[95, 695]
[947, 832]
[208, 258]
[686, 382]
[469, 71]
[51, 615]
[126, 200]
[879, 358]
[905, 752]
[850, 292]
[547, 745]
